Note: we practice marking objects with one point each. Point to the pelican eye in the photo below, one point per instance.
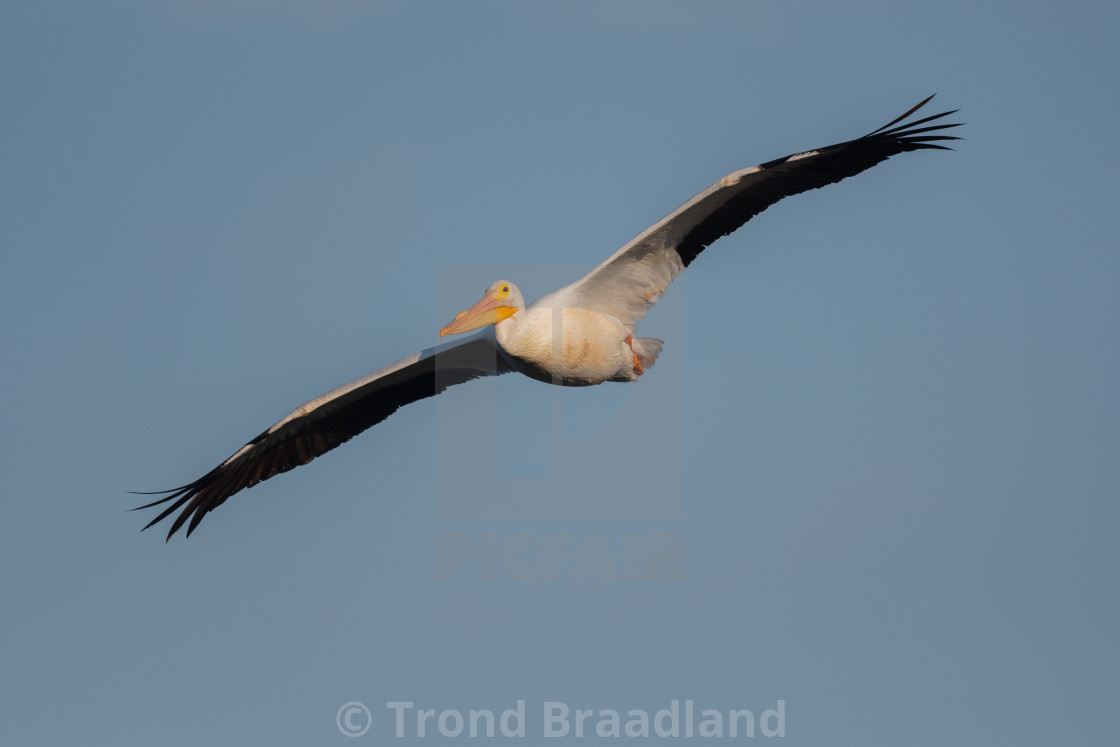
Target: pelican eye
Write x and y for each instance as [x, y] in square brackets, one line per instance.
[505, 289]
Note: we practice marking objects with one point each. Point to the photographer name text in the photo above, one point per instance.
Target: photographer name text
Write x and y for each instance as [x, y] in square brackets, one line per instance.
[681, 718]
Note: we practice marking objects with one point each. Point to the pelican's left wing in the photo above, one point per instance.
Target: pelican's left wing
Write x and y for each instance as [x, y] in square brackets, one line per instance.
[635, 276]
[333, 419]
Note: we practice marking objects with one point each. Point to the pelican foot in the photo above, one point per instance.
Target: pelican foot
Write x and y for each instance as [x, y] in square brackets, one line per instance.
[638, 370]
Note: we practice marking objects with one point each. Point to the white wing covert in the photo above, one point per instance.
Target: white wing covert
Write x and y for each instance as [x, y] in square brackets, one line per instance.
[628, 283]
[325, 422]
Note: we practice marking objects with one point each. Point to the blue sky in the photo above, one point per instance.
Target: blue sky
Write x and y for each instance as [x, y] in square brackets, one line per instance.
[873, 476]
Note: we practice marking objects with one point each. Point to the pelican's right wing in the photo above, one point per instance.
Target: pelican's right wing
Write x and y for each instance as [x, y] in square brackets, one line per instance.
[635, 276]
[333, 419]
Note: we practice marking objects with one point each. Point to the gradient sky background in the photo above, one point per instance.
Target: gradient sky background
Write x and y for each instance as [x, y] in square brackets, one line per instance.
[883, 433]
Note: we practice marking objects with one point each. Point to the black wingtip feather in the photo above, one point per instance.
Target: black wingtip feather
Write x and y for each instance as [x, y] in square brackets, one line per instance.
[908, 132]
[168, 511]
[913, 109]
[174, 494]
[915, 123]
[783, 177]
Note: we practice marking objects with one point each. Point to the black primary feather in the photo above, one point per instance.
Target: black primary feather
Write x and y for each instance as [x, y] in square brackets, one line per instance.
[783, 177]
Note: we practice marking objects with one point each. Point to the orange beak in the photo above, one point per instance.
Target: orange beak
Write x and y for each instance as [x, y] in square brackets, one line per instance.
[489, 310]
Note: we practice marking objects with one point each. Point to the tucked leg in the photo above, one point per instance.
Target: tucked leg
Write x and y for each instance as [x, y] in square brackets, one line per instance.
[638, 370]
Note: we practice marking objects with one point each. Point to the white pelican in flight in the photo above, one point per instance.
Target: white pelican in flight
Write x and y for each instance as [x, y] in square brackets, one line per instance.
[580, 335]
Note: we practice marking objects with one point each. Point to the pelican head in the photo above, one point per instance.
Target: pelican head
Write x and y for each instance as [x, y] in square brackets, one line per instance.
[500, 301]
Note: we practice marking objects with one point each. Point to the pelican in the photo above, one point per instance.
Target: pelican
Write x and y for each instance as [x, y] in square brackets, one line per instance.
[580, 335]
